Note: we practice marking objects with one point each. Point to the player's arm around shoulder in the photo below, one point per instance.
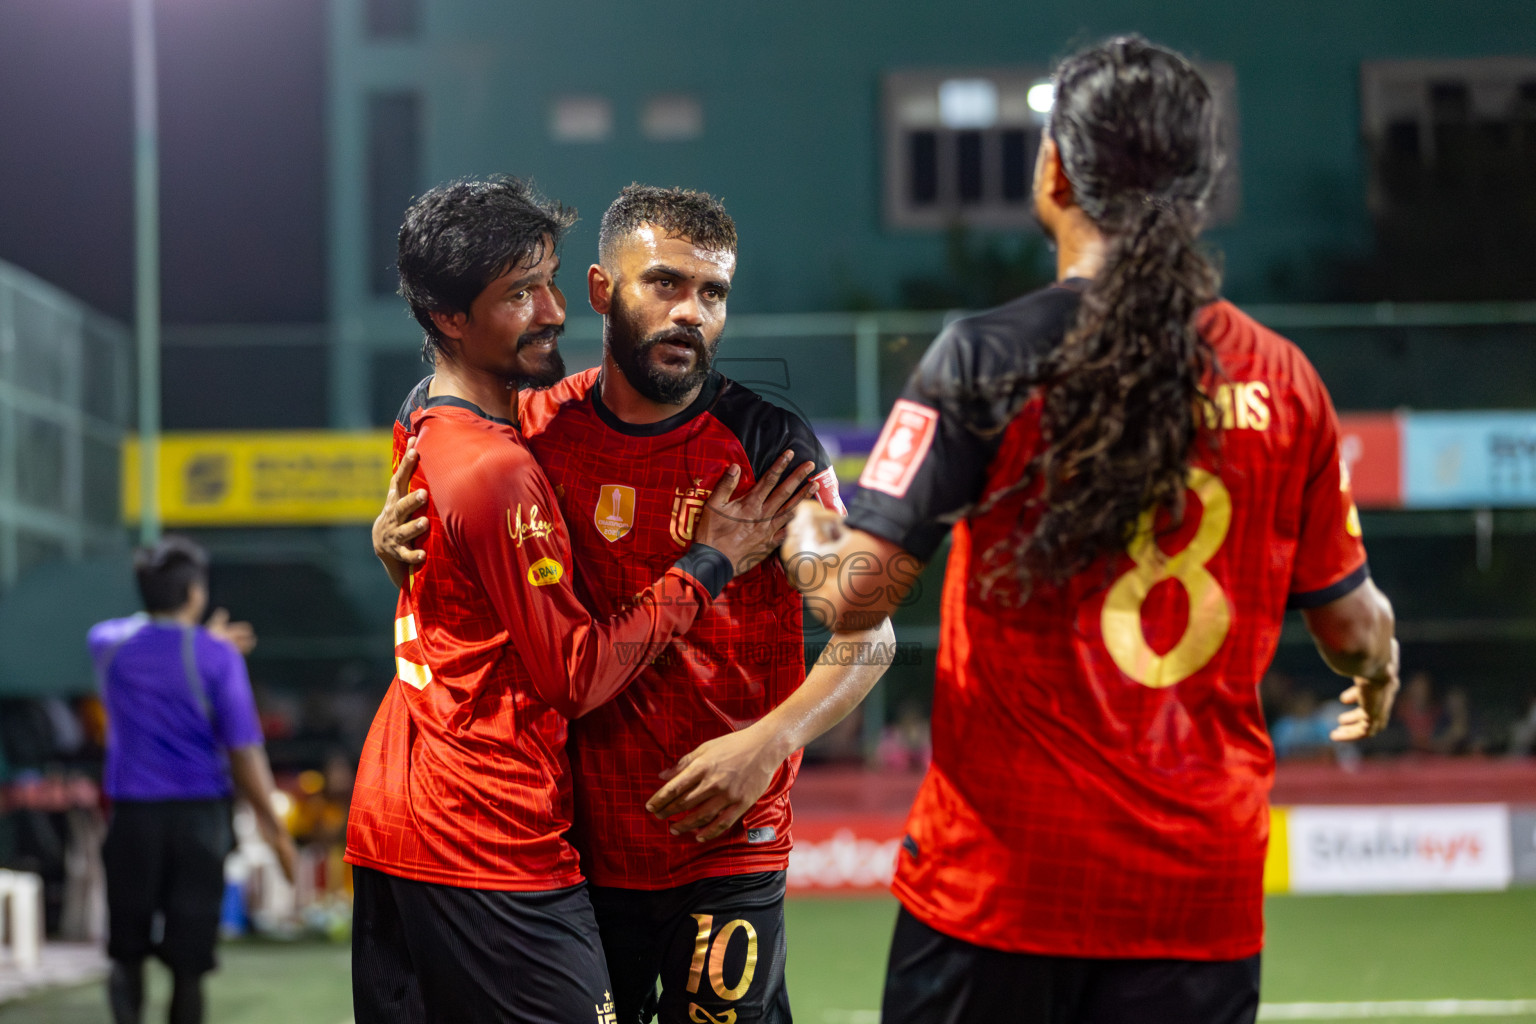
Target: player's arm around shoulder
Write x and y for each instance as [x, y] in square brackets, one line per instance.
[506, 523]
[500, 512]
[713, 785]
[398, 530]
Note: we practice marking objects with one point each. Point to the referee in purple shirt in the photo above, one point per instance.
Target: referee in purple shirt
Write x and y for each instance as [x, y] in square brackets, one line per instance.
[182, 735]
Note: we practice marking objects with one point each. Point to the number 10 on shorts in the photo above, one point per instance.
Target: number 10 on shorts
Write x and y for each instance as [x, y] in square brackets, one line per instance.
[711, 954]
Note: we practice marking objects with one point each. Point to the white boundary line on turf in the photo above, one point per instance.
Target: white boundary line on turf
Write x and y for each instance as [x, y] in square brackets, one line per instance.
[1398, 1008]
[1318, 1011]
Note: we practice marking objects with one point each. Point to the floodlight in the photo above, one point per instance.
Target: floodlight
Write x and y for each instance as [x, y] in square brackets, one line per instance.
[968, 103]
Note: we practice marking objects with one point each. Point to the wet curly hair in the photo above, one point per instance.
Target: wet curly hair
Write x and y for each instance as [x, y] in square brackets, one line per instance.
[1123, 397]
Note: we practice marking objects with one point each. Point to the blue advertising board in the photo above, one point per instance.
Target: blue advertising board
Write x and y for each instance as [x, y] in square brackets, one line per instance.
[1469, 460]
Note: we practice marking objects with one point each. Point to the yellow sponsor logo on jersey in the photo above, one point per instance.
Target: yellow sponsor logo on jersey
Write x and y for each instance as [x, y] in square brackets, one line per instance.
[531, 525]
[545, 571]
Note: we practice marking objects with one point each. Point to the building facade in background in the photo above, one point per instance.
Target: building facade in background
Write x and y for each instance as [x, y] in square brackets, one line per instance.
[849, 144]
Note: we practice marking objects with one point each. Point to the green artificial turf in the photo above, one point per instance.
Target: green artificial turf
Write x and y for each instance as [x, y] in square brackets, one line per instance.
[257, 983]
[1423, 946]
[1321, 949]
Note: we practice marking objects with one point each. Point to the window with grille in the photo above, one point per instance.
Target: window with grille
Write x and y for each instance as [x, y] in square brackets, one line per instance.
[960, 146]
[1439, 125]
[1451, 146]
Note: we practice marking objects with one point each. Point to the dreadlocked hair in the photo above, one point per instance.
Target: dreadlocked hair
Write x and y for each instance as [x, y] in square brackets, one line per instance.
[1122, 396]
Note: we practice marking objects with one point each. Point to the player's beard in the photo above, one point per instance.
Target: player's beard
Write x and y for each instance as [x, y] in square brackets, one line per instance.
[552, 369]
[631, 353]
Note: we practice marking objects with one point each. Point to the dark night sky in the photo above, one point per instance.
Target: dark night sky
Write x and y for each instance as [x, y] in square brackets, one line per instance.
[242, 162]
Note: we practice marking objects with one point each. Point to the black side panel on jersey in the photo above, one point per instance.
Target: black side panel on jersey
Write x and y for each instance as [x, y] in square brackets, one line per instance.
[766, 430]
[417, 399]
[964, 377]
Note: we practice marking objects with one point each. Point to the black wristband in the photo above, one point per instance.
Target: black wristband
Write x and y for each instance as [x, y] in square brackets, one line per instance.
[707, 565]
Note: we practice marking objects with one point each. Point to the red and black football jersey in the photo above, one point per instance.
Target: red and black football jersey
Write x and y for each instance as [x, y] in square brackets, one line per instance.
[1101, 768]
[630, 494]
[464, 779]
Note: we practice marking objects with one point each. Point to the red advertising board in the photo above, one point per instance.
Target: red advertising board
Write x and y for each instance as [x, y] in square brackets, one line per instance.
[1373, 452]
[844, 856]
[849, 823]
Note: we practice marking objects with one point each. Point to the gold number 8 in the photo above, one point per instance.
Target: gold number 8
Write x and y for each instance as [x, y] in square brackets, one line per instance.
[1210, 613]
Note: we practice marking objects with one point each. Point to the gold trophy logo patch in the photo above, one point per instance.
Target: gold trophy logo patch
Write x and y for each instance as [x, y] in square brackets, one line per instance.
[614, 515]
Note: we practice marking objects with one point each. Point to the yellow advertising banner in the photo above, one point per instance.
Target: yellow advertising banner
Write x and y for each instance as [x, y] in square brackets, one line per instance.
[245, 478]
[1277, 862]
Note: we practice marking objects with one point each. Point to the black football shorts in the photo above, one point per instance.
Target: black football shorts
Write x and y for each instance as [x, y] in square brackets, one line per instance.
[933, 978]
[437, 954]
[165, 858]
[717, 946]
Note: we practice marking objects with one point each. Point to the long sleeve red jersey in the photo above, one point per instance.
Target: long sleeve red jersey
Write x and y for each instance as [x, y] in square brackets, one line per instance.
[464, 779]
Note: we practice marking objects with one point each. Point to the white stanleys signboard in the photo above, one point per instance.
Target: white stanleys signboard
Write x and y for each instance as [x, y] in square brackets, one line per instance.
[1399, 849]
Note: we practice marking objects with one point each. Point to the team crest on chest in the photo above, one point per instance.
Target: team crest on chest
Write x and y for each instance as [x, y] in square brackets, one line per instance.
[687, 503]
[614, 515]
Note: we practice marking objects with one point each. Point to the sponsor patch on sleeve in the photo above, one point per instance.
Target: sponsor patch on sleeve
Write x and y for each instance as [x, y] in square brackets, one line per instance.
[826, 491]
[545, 571]
[903, 444]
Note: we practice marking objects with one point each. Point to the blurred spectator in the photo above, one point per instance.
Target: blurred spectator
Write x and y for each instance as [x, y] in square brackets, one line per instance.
[48, 801]
[906, 744]
[1303, 727]
[181, 727]
[1302, 731]
[279, 713]
[319, 815]
[1434, 726]
[1417, 711]
[319, 823]
[93, 722]
[1456, 731]
[1522, 734]
[28, 734]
